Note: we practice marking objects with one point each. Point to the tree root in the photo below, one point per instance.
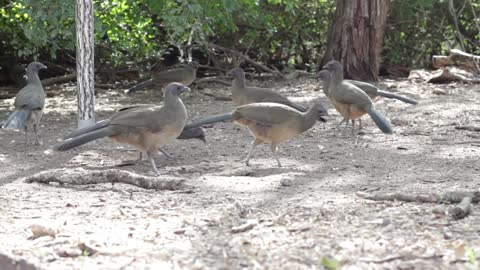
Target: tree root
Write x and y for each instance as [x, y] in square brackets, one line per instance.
[80, 176]
[462, 209]
[463, 198]
[469, 128]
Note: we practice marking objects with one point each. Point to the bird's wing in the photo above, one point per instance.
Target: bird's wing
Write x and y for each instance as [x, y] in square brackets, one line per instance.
[152, 118]
[30, 97]
[350, 94]
[266, 114]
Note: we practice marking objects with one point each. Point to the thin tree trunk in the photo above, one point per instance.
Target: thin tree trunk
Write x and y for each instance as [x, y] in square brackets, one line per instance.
[85, 68]
[356, 37]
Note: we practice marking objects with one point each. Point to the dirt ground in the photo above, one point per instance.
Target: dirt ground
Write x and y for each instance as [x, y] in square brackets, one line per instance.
[305, 215]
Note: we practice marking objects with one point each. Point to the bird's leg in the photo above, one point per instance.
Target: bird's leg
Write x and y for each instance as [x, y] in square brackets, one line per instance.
[131, 162]
[274, 148]
[152, 162]
[360, 123]
[341, 122]
[26, 136]
[166, 154]
[353, 127]
[253, 145]
[36, 135]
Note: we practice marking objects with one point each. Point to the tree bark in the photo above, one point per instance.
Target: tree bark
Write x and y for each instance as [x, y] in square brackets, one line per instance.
[85, 67]
[356, 37]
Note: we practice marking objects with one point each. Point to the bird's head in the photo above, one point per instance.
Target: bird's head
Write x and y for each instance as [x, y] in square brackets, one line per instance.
[176, 89]
[237, 73]
[324, 75]
[334, 66]
[36, 66]
[320, 111]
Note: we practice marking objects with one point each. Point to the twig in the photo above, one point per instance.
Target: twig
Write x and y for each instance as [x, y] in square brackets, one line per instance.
[401, 257]
[213, 79]
[468, 127]
[447, 197]
[246, 58]
[60, 79]
[80, 176]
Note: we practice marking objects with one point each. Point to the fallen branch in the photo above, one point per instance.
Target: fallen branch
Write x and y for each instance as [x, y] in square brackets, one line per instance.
[299, 73]
[444, 75]
[462, 209]
[468, 127]
[447, 197]
[217, 95]
[80, 176]
[457, 58]
[246, 58]
[60, 79]
[214, 80]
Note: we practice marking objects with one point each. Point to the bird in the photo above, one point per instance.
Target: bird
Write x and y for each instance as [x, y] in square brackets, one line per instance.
[29, 104]
[146, 128]
[268, 122]
[242, 94]
[185, 75]
[372, 91]
[351, 101]
[187, 134]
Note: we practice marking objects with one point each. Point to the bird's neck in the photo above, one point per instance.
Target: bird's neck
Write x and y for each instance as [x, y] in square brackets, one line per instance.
[326, 85]
[171, 100]
[32, 78]
[310, 117]
[337, 77]
[238, 83]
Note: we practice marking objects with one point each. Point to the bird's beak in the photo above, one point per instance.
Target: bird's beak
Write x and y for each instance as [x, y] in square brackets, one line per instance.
[43, 67]
[186, 89]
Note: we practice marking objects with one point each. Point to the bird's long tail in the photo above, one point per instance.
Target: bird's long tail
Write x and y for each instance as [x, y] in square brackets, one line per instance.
[209, 120]
[139, 86]
[381, 122]
[298, 107]
[84, 130]
[83, 139]
[395, 96]
[17, 120]
[192, 133]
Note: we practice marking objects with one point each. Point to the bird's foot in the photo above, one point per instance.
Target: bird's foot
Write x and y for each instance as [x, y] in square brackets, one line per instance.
[128, 163]
[167, 154]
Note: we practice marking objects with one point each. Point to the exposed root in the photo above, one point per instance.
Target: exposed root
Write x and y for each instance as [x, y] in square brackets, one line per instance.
[80, 176]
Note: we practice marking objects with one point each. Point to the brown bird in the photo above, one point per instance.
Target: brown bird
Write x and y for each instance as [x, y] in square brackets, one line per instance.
[371, 90]
[242, 94]
[146, 128]
[349, 100]
[185, 75]
[268, 122]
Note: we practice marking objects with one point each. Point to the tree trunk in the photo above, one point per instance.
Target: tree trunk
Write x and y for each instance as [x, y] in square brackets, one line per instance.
[85, 68]
[356, 37]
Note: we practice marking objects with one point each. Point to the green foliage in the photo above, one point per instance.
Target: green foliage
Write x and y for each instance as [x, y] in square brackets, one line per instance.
[330, 264]
[276, 32]
[417, 30]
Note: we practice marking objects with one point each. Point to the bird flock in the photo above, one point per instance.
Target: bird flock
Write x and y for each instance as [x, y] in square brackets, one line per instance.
[269, 116]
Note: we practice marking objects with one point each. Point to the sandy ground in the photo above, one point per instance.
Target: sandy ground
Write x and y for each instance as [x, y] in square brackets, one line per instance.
[305, 215]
